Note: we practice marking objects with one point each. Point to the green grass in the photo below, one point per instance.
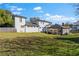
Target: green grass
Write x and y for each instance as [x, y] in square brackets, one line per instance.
[38, 44]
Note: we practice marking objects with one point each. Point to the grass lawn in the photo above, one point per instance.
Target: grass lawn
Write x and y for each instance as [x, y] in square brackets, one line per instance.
[38, 44]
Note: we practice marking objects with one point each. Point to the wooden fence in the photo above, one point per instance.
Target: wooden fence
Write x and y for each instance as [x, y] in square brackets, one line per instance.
[7, 29]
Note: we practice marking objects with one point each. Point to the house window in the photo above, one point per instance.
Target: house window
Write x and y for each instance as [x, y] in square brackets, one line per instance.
[39, 27]
[43, 22]
[22, 26]
[20, 19]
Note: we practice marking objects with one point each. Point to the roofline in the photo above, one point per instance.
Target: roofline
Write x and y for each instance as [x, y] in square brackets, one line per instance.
[19, 16]
[44, 21]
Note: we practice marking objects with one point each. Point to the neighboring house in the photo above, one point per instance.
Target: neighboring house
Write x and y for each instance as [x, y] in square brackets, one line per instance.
[65, 29]
[41, 24]
[75, 26]
[30, 27]
[33, 26]
[58, 29]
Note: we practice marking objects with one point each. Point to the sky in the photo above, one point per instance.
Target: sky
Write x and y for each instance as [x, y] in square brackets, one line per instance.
[56, 13]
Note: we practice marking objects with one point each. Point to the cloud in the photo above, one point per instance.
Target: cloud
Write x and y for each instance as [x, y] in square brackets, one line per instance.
[12, 8]
[16, 10]
[38, 9]
[60, 18]
[47, 14]
[19, 9]
[17, 13]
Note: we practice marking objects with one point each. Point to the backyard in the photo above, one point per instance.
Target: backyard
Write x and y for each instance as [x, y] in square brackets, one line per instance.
[38, 44]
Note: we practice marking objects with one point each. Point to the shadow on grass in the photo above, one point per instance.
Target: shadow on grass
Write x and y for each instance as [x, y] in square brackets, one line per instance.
[75, 39]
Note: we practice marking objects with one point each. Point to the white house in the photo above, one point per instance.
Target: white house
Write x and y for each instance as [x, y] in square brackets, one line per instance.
[43, 24]
[19, 22]
[33, 26]
[30, 27]
[75, 26]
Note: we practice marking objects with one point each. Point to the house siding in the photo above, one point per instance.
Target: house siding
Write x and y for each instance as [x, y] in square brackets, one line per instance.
[65, 31]
[32, 29]
[18, 24]
[42, 26]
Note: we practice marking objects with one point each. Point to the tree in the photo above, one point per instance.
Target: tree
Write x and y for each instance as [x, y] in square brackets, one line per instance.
[1, 21]
[6, 18]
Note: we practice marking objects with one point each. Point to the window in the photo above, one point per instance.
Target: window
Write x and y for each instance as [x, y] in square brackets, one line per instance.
[42, 22]
[22, 26]
[20, 19]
